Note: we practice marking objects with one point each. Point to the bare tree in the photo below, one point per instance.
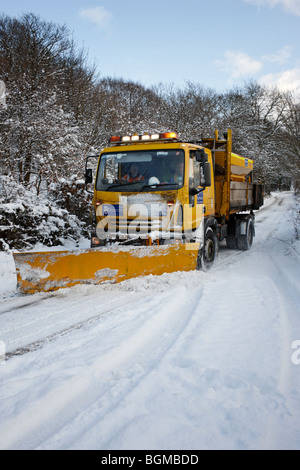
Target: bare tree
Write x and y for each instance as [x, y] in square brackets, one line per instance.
[36, 129]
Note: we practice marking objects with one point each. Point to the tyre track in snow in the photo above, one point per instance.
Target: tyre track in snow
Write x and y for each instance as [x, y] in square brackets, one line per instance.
[184, 346]
[176, 322]
[38, 426]
[287, 303]
[20, 305]
[20, 301]
[126, 369]
[263, 215]
[151, 343]
[41, 328]
[278, 247]
[108, 309]
[285, 293]
[148, 345]
[272, 244]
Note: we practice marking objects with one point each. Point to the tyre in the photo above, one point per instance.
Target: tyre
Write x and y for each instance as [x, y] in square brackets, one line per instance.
[244, 242]
[208, 253]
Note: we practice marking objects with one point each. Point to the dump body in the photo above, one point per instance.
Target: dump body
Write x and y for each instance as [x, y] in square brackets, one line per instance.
[234, 188]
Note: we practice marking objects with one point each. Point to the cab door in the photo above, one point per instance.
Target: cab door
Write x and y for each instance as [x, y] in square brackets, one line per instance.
[194, 208]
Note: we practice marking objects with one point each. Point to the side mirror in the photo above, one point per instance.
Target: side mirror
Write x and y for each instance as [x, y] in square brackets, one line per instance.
[206, 172]
[89, 172]
[193, 191]
[88, 176]
[201, 156]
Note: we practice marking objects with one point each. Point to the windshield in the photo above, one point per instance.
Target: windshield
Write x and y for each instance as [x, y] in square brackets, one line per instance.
[146, 170]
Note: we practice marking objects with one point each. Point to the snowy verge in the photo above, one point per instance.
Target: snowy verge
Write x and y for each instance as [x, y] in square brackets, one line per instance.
[8, 277]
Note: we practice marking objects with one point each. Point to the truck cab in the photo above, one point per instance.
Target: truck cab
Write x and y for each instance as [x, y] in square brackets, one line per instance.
[156, 189]
[151, 190]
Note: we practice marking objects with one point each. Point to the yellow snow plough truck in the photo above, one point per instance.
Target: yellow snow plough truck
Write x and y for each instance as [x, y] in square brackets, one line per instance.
[160, 205]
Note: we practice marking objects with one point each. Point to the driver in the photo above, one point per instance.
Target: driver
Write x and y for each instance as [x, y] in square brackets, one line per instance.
[133, 175]
[174, 173]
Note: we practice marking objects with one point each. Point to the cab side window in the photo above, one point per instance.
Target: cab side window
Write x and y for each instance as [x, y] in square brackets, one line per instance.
[197, 173]
[194, 176]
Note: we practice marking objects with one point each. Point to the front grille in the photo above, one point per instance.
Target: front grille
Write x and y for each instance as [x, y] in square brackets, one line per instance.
[140, 226]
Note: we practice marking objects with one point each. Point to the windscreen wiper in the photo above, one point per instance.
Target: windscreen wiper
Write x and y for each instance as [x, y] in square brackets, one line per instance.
[155, 185]
[121, 185]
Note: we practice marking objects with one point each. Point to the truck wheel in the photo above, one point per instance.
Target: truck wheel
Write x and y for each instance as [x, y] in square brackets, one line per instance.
[244, 242]
[209, 250]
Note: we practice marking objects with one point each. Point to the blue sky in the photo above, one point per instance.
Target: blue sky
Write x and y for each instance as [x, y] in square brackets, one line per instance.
[217, 43]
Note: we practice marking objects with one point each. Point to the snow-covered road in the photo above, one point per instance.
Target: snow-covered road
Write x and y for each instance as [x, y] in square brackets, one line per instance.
[180, 361]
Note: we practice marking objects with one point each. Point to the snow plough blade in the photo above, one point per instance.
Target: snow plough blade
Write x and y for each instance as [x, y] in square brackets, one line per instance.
[48, 271]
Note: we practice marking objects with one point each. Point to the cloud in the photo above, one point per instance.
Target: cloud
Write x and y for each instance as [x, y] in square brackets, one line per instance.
[238, 64]
[98, 15]
[289, 80]
[291, 6]
[279, 57]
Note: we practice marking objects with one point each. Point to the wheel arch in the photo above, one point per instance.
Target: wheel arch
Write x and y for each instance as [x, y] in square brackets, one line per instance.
[211, 222]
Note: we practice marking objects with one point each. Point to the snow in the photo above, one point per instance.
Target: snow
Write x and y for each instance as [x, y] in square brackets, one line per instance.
[8, 278]
[182, 361]
[67, 245]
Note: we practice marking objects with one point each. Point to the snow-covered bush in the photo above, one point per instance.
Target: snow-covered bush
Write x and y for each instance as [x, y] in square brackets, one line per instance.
[71, 195]
[26, 219]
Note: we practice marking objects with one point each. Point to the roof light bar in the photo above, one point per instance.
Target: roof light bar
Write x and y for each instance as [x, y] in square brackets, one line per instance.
[145, 137]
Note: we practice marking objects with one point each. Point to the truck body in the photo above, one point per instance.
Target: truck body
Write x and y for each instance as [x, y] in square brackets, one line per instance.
[159, 205]
[183, 192]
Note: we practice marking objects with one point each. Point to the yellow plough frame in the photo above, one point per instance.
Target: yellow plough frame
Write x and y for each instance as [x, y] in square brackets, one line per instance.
[48, 271]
